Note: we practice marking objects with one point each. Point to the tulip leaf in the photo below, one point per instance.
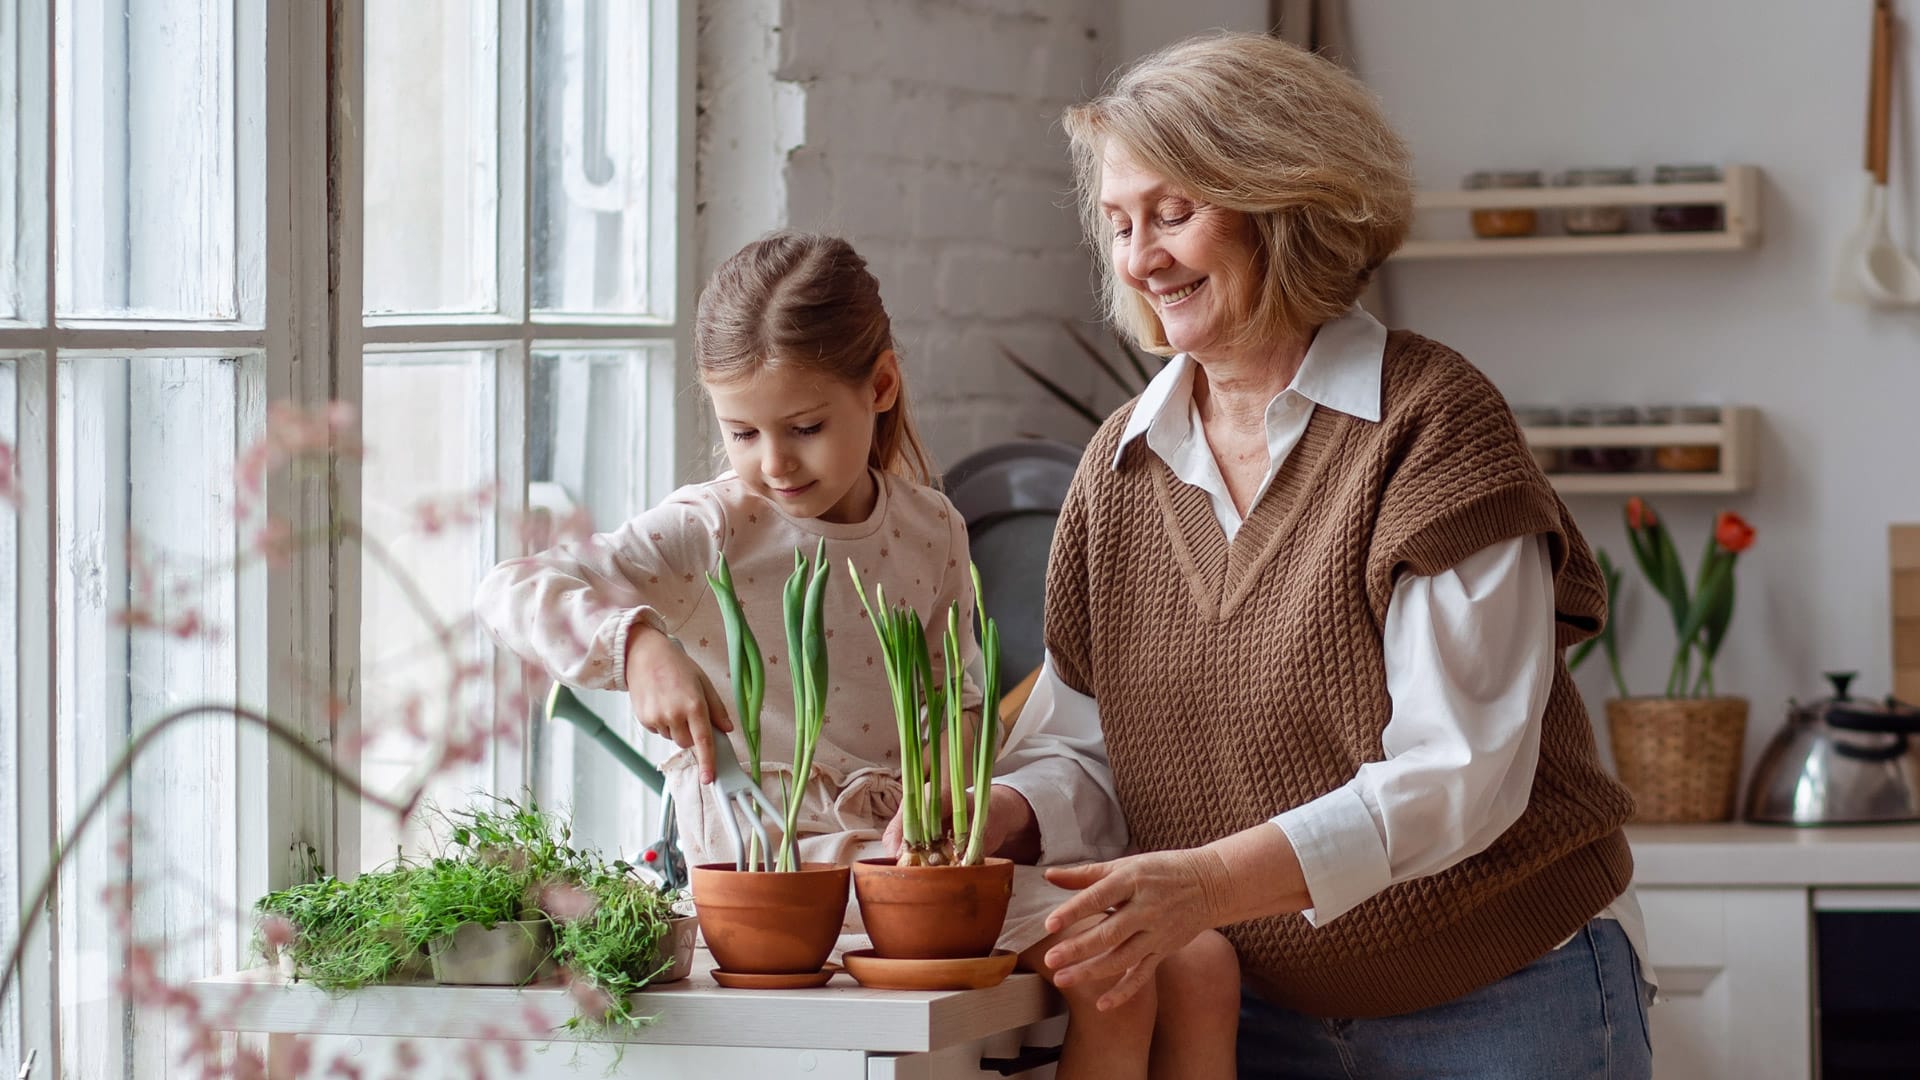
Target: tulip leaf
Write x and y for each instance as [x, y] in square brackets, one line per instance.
[1717, 588]
[1672, 579]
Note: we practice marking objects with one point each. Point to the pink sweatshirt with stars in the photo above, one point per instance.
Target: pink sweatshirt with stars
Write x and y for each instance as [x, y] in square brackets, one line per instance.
[569, 611]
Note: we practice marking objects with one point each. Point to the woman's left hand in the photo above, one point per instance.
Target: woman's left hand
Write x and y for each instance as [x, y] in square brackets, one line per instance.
[1160, 901]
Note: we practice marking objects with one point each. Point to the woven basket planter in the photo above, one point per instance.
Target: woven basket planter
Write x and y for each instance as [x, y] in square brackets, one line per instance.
[1679, 756]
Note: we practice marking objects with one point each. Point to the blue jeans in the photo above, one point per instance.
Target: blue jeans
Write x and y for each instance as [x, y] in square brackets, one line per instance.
[1578, 1012]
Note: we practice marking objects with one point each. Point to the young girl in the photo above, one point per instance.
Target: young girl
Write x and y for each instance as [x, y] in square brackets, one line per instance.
[796, 354]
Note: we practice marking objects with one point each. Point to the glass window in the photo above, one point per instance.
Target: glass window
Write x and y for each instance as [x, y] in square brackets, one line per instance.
[601, 219]
[433, 158]
[148, 167]
[135, 137]
[146, 602]
[11, 302]
[590, 461]
[9, 676]
[428, 514]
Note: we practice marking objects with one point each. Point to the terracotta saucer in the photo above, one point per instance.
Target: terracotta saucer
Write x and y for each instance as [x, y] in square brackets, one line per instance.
[752, 981]
[966, 973]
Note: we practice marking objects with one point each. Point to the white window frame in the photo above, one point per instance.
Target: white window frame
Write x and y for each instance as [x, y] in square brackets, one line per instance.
[515, 331]
[310, 344]
[294, 195]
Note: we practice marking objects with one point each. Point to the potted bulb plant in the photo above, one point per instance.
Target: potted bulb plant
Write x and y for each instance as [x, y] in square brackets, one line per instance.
[1678, 752]
[772, 921]
[942, 899]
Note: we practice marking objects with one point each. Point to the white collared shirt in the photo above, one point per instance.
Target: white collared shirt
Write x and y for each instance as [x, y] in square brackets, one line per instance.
[1469, 663]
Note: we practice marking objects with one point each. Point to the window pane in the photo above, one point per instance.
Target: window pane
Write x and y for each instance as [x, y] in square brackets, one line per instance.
[11, 302]
[588, 449]
[428, 426]
[432, 157]
[593, 165]
[9, 687]
[148, 166]
[146, 598]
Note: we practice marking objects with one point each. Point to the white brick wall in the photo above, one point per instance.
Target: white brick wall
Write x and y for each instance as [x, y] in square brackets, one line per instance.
[926, 132]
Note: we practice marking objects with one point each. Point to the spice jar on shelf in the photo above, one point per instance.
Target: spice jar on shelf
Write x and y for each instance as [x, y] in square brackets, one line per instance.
[1500, 222]
[1600, 457]
[1695, 457]
[1595, 220]
[1687, 217]
[1541, 416]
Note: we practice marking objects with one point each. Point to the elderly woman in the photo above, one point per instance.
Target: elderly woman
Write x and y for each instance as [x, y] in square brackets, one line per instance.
[1305, 621]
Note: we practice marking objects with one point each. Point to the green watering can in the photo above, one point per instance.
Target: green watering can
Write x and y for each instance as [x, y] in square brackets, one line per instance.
[663, 856]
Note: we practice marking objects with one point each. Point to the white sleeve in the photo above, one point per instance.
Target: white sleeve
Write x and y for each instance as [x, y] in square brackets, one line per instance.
[1056, 758]
[1469, 659]
[569, 609]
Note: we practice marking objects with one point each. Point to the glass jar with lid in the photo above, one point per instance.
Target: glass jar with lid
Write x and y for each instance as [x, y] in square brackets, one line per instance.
[1685, 457]
[1600, 457]
[1500, 222]
[1532, 417]
[1595, 220]
[1687, 217]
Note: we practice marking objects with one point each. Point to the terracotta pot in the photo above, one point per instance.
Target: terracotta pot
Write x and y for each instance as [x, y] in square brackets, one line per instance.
[933, 912]
[762, 923]
[1679, 756]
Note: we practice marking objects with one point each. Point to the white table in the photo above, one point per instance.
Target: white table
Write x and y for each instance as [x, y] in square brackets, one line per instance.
[841, 1031]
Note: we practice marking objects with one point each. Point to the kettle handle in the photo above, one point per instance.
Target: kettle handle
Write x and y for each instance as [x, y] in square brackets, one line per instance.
[1903, 720]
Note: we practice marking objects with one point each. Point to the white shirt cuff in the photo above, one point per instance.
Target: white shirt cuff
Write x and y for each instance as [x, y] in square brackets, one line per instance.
[1342, 857]
[1052, 814]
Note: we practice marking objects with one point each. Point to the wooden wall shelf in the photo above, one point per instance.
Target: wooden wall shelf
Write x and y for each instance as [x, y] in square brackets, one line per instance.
[1733, 436]
[1738, 194]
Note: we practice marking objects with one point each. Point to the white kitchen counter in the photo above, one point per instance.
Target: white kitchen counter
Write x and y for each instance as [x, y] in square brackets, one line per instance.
[1741, 854]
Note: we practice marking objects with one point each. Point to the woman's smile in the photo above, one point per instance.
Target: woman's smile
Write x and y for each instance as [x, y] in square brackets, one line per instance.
[1179, 295]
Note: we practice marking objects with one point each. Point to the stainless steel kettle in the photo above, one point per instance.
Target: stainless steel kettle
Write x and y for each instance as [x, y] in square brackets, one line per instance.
[1840, 760]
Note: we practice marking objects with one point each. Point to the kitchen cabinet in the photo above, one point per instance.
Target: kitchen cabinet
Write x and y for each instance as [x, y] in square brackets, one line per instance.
[1735, 988]
[1730, 934]
[1737, 193]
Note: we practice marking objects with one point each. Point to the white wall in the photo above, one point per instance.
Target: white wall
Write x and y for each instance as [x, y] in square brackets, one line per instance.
[1778, 83]
[928, 134]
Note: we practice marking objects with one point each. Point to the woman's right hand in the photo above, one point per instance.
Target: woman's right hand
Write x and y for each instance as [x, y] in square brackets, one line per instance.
[672, 697]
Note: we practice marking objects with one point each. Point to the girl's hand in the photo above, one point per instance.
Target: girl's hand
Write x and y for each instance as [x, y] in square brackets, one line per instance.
[672, 697]
[1159, 901]
[893, 838]
[1011, 832]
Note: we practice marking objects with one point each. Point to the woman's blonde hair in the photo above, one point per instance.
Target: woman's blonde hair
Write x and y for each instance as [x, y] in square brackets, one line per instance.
[807, 301]
[1253, 124]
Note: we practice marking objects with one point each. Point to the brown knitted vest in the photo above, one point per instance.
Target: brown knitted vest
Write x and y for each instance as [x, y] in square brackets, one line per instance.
[1237, 680]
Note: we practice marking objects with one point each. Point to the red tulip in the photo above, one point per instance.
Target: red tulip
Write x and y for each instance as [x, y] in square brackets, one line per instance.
[1639, 514]
[1732, 532]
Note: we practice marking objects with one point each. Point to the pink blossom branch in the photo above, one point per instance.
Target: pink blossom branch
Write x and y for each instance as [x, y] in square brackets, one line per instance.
[124, 766]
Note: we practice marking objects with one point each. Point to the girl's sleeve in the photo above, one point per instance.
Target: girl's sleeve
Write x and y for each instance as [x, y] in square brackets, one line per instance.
[570, 609]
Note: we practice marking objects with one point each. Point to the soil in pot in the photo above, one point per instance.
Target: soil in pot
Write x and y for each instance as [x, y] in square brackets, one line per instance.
[933, 912]
[508, 954]
[763, 923]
